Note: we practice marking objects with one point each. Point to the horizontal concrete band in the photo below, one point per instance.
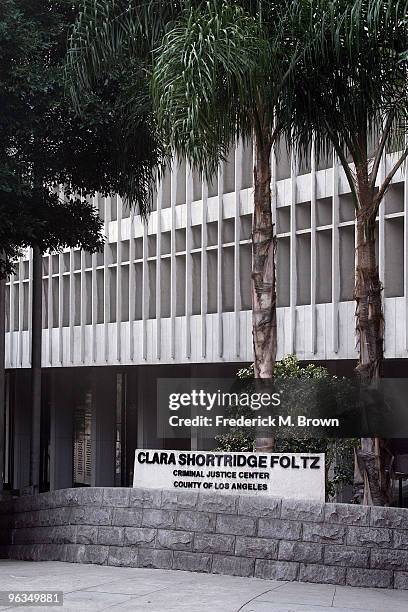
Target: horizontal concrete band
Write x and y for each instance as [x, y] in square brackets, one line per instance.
[224, 534]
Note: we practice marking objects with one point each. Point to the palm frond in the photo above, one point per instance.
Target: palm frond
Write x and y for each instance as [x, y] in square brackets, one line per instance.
[109, 57]
[108, 29]
[216, 73]
[353, 74]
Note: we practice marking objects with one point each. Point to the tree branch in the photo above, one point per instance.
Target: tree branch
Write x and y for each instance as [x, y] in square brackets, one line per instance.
[389, 178]
[380, 150]
[275, 133]
[345, 165]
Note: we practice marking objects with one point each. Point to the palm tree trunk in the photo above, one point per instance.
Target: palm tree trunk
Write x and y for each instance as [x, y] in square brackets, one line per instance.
[369, 314]
[36, 335]
[372, 478]
[263, 276]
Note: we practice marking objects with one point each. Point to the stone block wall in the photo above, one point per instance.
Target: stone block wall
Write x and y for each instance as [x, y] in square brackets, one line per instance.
[205, 532]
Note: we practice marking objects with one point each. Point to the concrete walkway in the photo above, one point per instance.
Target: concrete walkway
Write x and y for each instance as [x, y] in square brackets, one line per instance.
[94, 587]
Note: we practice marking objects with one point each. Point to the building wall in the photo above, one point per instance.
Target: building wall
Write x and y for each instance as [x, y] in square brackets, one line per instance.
[177, 290]
[121, 403]
[243, 535]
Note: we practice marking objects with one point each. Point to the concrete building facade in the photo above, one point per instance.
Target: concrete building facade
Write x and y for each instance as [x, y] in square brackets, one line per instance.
[171, 298]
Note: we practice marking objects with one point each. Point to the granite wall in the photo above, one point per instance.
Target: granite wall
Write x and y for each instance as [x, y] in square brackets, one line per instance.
[223, 534]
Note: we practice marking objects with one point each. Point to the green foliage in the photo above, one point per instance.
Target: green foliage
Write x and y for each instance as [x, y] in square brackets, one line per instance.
[325, 72]
[289, 367]
[52, 160]
[215, 69]
[219, 74]
[28, 218]
[349, 87]
[338, 452]
[110, 46]
[206, 73]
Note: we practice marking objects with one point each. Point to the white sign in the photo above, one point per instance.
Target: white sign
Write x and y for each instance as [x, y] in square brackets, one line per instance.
[298, 475]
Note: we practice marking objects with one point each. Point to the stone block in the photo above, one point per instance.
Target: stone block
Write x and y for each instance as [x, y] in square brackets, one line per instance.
[52, 499]
[74, 553]
[192, 562]
[347, 556]
[369, 537]
[127, 517]
[55, 499]
[163, 519]
[260, 548]
[279, 530]
[395, 518]
[400, 539]
[85, 515]
[34, 535]
[7, 506]
[260, 507]
[191, 520]
[179, 500]
[369, 578]
[389, 559]
[83, 496]
[276, 570]
[140, 536]
[59, 516]
[306, 552]
[122, 556]
[110, 536]
[87, 534]
[26, 503]
[401, 580]
[235, 525]
[214, 543]
[233, 566]
[5, 536]
[347, 514]
[159, 559]
[216, 502]
[48, 499]
[50, 552]
[322, 574]
[6, 521]
[323, 532]
[53, 516]
[300, 510]
[118, 497]
[34, 518]
[63, 534]
[175, 540]
[145, 498]
[25, 519]
[96, 554]
[23, 552]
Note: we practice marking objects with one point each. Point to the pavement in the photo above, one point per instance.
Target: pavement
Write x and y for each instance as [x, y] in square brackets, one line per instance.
[95, 587]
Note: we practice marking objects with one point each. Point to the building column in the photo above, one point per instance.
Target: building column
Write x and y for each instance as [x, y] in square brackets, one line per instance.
[22, 430]
[2, 375]
[61, 429]
[103, 427]
[36, 339]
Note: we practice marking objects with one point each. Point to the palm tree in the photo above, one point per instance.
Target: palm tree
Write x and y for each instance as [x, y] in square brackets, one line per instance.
[219, 76]
[352, 94]
[217, 73]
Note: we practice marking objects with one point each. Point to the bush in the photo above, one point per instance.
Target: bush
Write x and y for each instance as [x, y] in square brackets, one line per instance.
[338, 452]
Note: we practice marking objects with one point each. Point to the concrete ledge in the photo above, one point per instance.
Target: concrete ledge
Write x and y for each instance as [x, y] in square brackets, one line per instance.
[205, 532]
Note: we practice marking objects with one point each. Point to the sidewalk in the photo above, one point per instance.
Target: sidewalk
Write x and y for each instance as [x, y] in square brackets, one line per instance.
[93, 587]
